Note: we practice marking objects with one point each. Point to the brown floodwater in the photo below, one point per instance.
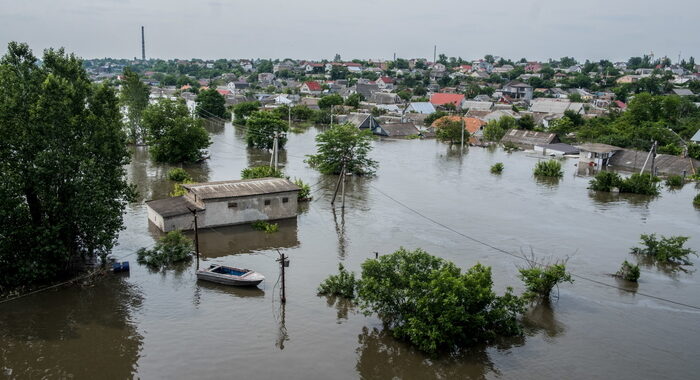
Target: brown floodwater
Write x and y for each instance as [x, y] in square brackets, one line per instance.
[150, 324]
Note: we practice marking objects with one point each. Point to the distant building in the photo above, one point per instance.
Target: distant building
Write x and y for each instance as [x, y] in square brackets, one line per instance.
[517, 90]
[421, 107]
[528, 139]
[442, 99]
[226, 203]
[311, 88]
[396, 130]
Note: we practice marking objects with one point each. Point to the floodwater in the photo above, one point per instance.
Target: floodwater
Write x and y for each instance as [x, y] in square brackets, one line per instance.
[167, 325]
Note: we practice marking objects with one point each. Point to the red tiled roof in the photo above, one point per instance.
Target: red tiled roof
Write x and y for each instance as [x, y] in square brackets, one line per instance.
[439, 99]
[353, 64]
[620, 104]
[471, 124]
[386, 80]
[224, 92]
[313, 86]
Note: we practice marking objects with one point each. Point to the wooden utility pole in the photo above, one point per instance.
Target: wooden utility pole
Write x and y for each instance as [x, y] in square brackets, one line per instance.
[196, 234]
[653, 159]
[283, 262]
[463, 126]
[343, 190]
[337, 185]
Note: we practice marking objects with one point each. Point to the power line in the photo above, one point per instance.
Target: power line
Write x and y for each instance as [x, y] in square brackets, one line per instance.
[523, 258]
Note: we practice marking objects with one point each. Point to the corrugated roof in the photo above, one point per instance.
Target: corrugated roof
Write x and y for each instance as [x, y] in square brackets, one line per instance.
[240, 188]
[529, 138]
[664, 163]
[422, 107]
[546, 105]
[598, 148]
[400, 129]
[476, 105]
[172, 206]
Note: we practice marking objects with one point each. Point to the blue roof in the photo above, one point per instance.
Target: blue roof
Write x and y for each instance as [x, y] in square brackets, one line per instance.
[696, 137]
[423, 107]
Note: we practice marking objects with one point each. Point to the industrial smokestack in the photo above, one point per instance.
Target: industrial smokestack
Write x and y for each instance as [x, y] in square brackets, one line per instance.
[143, 45]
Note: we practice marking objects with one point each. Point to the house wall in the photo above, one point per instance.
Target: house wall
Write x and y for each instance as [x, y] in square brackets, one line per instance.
[250, 209]
[595, 159]
[178, 222]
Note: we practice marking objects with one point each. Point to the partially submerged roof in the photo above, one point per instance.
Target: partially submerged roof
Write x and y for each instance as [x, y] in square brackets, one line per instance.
[400, 129]
[560, 147]
[529, 138]
[598, 148]
[665, 164]
[240, 188]
[173, 206]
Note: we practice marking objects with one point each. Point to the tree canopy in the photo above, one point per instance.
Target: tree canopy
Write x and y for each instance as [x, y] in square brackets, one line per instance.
[343, 143]
[261, 129]
[211, 104]
[62, 160]
[173, 134]
[134, 96]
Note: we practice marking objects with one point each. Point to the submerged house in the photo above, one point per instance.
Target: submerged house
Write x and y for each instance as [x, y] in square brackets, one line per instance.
[226, 203]
[595, 154]
[528, 139]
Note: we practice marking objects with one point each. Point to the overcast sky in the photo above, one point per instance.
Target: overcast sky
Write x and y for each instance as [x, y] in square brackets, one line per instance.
[317, 29]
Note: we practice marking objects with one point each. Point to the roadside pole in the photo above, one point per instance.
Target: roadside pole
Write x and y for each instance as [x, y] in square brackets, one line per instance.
[196, 234]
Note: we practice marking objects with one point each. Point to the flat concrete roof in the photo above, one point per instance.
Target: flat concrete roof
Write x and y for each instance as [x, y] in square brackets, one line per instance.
[240, 188]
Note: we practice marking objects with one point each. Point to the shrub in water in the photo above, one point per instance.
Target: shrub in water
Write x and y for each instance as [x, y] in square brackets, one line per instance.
[644, 184]
[305, 192]
[628, 272]
[178, 190]
[541, 277]
[605, 181]
[178, 175]
[667, 250]
[171, 248]
[497, 168]
[550, 168]
[262, 225]
[261, 172]
[433, 305]
[675, 181]
[696, 200]
[342, 284]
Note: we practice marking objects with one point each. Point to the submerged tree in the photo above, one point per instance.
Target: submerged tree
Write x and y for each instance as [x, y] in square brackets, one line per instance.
[262, 127]
[343, 144]
[211, 104]
[134, 96]
[173, 134]
[62, 160]
[451, 131]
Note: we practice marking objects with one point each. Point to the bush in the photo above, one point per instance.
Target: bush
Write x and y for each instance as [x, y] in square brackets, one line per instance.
[644, 184]
[605, 181]
[342, 284]
[540, 278]
[431, 304]
[550, 168]
[666, 251]
[497, 168]
[675, 181]
[628, 272]
[696, 200]
[510, 146]
[262, 225]
[179, 190]
[305, 192]
[178, 175]
[261, 172]
[171, 248]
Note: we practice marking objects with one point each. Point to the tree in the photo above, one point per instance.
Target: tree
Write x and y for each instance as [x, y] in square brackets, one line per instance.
[405, 95]
[430, 119]
[541, 277]
[666, 250]
[448, 130]
[261, 172]
[62, 160]
[264, 66]
[354, 100]
[262, 127]
[433, 305]
[211, 104]
[526, 122]
[343, 143]
[339, 72]
[242, 110]
[134, 96]
[173, 134]
[329, 101]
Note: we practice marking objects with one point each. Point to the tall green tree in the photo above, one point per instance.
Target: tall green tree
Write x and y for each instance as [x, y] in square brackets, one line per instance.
[62, 160]
[329, 101]
[450, 131]
[173, 134]
[261, 130]
[211, 104]
[343, 143]
[134, 96]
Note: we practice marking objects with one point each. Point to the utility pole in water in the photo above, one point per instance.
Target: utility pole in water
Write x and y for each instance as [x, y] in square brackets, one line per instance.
[196, 234]
[284, 261]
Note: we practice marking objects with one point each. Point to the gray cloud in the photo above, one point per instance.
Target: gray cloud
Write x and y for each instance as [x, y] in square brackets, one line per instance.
[536, 29]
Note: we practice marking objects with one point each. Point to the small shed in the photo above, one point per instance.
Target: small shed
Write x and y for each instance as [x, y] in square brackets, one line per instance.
[226, 203]
[528, 139]
[595, 154]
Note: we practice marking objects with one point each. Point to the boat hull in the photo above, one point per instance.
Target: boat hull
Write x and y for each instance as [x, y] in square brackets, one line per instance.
[249, 279]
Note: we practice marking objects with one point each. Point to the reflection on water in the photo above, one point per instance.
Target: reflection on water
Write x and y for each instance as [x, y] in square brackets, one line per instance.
[282, 334]
[380, 356]
[343, 306]
[540, 318]
[204, 287]
[54, 335]
[230, 240]
[340, 230]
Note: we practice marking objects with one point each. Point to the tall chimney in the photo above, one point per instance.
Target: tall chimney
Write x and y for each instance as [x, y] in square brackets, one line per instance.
[143, 46]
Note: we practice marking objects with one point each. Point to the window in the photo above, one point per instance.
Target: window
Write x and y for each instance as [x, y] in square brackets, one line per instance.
[267, 202]
[285, 200]
[232, 204]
